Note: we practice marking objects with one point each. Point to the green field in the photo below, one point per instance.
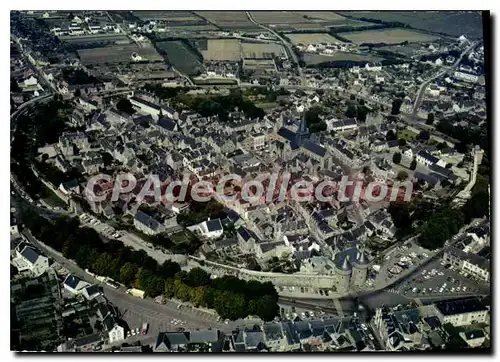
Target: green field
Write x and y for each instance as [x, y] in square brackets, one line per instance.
[454, 23]
[51, 199]
[387, 36]
[181, 57]
[312, 59]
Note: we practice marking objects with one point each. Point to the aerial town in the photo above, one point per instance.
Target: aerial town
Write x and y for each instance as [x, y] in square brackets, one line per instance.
[249, 181]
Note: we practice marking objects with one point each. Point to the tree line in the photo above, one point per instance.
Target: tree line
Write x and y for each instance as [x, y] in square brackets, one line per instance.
[231, 297]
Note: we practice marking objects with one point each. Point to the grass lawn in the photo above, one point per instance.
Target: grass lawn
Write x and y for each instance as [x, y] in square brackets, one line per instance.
[49, 197]
[407, 135]
[267, 105]
[180, 237]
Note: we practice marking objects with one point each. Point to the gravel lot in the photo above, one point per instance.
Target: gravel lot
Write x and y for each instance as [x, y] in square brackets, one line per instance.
[430, 287]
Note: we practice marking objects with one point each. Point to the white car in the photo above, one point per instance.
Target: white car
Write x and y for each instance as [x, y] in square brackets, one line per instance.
[133, 332]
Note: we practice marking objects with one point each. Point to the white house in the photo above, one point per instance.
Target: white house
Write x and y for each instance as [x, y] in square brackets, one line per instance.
[28, 259]
[148, 225]
[462, 312]
[74, 284]
[408, 153]
[211, 229]
[91, 292]
[468, 77]
[426, 158]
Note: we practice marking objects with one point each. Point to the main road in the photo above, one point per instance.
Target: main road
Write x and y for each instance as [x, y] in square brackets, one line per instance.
[423, 86]
[285, 43]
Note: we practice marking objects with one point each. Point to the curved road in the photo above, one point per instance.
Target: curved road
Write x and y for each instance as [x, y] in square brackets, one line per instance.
[423, 87]
[285, 43]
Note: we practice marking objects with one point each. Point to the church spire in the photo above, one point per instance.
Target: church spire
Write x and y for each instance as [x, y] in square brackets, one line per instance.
[302, 132]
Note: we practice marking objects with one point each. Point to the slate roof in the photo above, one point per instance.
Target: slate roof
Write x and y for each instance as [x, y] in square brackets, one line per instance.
[459, 306]
[30, 254]
[86, 340]
[427, 178]
[72, 281]
[147, 220]
[428, 156]
[273, 331]
[167, 123]
[204, 336]
[254, 338]
[314, 148]
[177, 338]
[214, 225]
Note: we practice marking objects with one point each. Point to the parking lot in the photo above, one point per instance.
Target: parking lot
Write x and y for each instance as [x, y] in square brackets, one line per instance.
[105, 229]
[400, 261]
[437, 280]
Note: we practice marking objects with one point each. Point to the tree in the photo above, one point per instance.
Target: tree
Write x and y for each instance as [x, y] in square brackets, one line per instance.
[396, 158]
[401, 142]
[169, 291]
[98, 325]
[430, 119]
[390, 136]
[400, 214]
[128, 272]
[351, 111]
[396, 106]
[362, 113]
[424, 135]
[264, 307]
[148, 281]
[402, 175]
[107, 159]
[124, 105]
[413, 164]
[168, 269]
[477, 206]
[197, 277]
[230, 305]
[181, 291]
[197, 296]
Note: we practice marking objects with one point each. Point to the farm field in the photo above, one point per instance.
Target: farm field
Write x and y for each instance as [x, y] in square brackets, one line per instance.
[214, 81]
[262, 50]
[93, 40]
[117, 54]
[388, 36]
[229, 19]
[452, 23]
[405, 50]
[306, 39]
[222, 49]
[166, 15]
[264, 65]
[312, 59]
[181, 57]
[183, 27]
[304, 20]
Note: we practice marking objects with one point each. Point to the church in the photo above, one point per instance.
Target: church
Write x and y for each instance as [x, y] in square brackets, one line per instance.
[290, 144]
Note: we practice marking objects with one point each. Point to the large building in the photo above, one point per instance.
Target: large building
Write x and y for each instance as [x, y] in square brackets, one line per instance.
[470, 263]
[146, 224]
[290, 144]
[351, 268]
[462, 312]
